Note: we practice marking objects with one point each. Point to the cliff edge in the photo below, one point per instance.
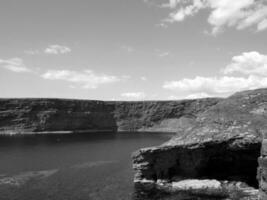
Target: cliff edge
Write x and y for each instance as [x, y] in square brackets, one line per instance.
[222, 143]
[22, 116]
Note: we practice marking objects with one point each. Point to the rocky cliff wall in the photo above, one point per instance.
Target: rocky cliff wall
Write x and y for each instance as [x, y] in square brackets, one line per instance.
[262, 171]
[52, 115]
[154, 116]
[57, 115]
[222, 143]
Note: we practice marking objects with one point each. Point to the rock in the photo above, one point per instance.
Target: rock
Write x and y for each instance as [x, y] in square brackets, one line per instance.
[211, 188]
[54, 115]
[67, 116]
[262, 171]
[200, 187]
[222, 143]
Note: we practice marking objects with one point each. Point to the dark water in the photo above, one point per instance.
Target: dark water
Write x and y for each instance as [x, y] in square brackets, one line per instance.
[76, 167]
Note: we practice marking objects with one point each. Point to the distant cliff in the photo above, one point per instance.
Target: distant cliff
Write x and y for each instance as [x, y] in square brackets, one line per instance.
[66, 115]
[158, 116]
[52, 115]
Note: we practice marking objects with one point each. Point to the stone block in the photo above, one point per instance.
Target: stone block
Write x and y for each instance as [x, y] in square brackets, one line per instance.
[264, 147]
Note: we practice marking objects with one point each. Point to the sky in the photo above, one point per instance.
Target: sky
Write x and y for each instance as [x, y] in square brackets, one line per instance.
[132, 49]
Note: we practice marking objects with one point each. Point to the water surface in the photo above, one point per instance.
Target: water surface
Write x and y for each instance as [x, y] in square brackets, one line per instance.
[72, 167]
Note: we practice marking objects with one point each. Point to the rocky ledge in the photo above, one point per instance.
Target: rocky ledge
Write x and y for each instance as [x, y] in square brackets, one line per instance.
[67, 115]
[222, 143]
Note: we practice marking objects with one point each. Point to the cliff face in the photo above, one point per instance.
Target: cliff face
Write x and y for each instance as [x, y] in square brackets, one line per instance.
[164, 116]
[262, 171]
[222, 143]
[39, 115]
[51, 115]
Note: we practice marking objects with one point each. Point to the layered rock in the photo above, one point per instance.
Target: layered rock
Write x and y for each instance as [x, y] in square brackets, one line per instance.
[63, 115]
[262, 171]
[155, 116]
[222, 143]
[52, 115]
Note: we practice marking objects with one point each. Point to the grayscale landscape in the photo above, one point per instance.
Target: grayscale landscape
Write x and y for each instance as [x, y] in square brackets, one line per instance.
[133, 100]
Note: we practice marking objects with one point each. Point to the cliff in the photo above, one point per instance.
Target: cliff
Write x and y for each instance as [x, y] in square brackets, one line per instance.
[158, 116]
[52, 115]
[262, 171]
[222, 143]
[65, 115]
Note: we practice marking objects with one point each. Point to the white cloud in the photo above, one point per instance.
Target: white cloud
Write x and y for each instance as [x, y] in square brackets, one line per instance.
[222, 13]
[86, 79]
[14, 64]
[134, 95]
[197, 95]
[143, 78]
[251, 65]
[190, 96]
[57, 49]
[262, 25]
[184, 11]
[170, 4]
[213, 86]
[164, 54]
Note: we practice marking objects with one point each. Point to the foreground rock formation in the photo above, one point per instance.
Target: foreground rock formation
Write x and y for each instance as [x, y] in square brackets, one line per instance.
[64, 115]
[262, 172]
[222, 143]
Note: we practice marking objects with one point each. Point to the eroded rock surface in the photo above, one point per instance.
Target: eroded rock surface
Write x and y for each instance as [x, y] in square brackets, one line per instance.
[52, 115]
[222, 143]
[65, 115]
[262, 171]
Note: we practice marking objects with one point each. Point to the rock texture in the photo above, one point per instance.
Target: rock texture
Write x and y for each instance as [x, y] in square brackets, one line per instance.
[222, 143]
[62, 115]
[52, 115]
[262, 171]
[163, 116]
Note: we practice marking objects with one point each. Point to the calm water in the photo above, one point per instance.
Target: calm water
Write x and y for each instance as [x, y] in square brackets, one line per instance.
[76, 167]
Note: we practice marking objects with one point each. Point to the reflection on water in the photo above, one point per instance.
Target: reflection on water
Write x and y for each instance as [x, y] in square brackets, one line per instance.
[67, 167]
[22, 178]
[70, 167]
[93, 164]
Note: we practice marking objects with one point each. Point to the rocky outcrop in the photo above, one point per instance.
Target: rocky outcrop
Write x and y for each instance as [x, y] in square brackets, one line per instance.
[262, 171]
[64, 115]
[155, 116]
[222, 143]
[206, 189]
[52, 115]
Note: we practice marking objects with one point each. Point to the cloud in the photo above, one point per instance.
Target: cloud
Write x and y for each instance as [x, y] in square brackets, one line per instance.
[86, 79]
[57, 49]
[251, 65]
[170, 4]
[127, 48]
[143, 78]
[220, 86]
[134, 95]
[247, 63]
[164, 54]
[240, 14]
[197, 95]
[14, 64]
